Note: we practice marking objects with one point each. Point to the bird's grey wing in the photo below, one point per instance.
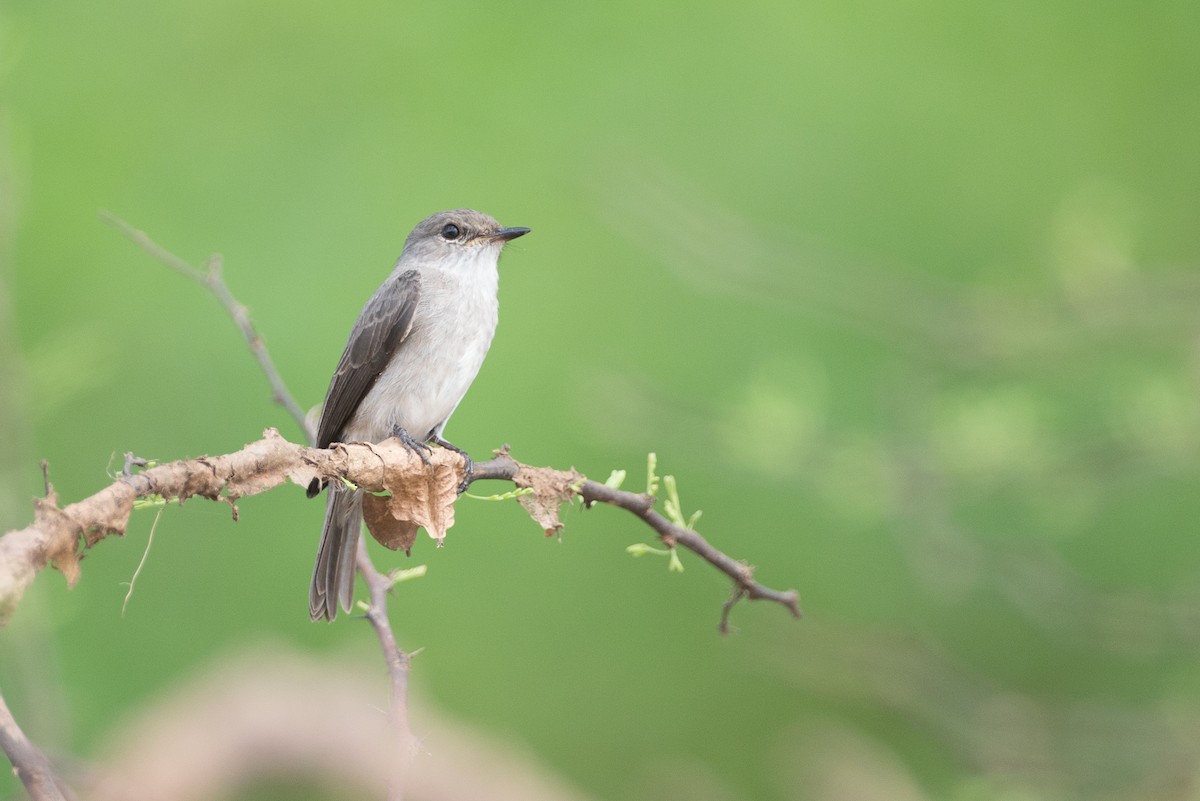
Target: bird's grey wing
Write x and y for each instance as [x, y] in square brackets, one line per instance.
[383, 325]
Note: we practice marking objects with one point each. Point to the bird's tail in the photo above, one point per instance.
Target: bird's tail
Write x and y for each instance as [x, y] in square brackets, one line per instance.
[333, 577]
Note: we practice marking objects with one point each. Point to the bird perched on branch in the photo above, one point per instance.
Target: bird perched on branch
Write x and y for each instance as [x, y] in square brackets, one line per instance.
[412, 354]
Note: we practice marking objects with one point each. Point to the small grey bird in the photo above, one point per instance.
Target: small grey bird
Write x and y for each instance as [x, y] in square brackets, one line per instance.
[415, 349]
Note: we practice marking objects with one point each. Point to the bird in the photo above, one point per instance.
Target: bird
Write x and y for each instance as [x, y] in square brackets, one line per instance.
[411, 356]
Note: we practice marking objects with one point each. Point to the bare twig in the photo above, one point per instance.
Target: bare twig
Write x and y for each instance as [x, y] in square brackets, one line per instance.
[211, 279]
[504, 466]
[397, 660]
[28, 762]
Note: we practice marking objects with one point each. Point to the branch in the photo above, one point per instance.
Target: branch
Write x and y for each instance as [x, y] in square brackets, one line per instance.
[418, 494]
[398, 662]
[549, 484]
[212, 280]
[378, 587]
[28, 762]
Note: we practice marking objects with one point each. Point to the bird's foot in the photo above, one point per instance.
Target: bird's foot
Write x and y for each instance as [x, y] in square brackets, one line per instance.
[415, 446]
[469, 466]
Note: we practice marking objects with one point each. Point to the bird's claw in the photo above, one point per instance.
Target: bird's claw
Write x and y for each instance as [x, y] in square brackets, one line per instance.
[469, 467]
[469, 470]
[414, 446]
[423, 450]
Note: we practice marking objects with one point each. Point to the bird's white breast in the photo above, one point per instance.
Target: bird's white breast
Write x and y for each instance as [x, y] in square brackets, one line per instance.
[434, 366]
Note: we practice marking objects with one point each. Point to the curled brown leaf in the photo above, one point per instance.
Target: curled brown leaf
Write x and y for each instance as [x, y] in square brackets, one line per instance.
[421, 495]
[551, 489]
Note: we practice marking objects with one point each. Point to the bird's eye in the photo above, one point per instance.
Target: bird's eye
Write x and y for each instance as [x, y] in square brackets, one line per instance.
[450, 232]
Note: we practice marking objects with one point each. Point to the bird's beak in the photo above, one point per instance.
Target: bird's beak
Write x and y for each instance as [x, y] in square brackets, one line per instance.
[506, 234]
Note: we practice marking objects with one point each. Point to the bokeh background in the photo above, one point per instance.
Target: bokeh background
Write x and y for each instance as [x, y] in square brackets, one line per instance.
[904, 295]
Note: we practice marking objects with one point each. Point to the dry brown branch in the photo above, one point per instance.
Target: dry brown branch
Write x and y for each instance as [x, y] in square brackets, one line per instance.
[58, 534]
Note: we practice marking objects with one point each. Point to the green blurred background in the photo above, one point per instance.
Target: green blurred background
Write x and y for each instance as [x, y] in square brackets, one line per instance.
[905, 295]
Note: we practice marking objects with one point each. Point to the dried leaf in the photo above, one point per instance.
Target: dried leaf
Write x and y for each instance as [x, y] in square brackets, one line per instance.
[422, 495]
[428, 503]
[389, 532]
[63, 552]
[551, 489]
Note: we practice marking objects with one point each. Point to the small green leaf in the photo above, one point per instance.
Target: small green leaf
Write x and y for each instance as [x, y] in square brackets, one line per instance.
[671, 507]
[651, 476]
[674, 566]
[398, 576]
[615, 479]
[641, 549]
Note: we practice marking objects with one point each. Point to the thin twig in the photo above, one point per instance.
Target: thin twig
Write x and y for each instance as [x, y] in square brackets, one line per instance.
[504, 467]
[28, 762]
[212, 280]
[398, 662]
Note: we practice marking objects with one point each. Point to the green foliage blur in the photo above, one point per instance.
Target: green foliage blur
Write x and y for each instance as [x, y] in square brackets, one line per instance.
[904, 295]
